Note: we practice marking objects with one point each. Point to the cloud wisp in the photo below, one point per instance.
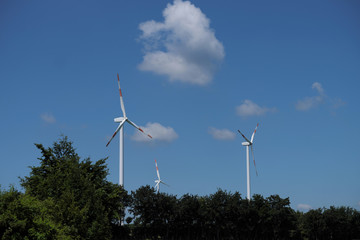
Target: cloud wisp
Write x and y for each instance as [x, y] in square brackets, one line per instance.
[311, 102]
[157, 131]
[304, 207]
[248, 108]
[183, 47]
[321, 98]
[48, 118]
[221, 134]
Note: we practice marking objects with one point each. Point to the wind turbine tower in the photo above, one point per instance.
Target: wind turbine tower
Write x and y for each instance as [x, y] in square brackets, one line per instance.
[121, 121]
[248, 143]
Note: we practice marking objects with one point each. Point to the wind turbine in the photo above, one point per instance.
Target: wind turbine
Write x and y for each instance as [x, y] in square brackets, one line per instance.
[121, 121]
[158, 181]
[247, 144]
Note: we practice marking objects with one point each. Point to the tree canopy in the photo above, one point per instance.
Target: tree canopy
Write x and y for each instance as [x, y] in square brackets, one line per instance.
[73, 194]
[66, 197]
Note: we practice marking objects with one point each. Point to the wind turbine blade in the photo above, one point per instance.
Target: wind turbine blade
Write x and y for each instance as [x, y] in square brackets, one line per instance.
[116, 131]
[252, 153]
[121, 97]
[132, 123]
[252, 136]
[244, 137]
[157, 170]
[165, 183]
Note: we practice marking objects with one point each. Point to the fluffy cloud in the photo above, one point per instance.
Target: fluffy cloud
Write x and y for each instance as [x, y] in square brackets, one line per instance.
[158, 133]
[305, 207]
[183, 47]
[48, 118]
[249, 108]
[311, 102]
[221, 134]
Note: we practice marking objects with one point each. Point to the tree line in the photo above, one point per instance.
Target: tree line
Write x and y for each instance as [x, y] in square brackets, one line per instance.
[67, 197]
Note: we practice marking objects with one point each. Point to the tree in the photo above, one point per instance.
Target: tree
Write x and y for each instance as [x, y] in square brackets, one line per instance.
[338, 222]
[355, 224]
[69, 198]
[314, 224]
[153, 212]
[84, 201]
[188, 218]
[333, 223]
[220, 214]
[25, 217]
[282, 217]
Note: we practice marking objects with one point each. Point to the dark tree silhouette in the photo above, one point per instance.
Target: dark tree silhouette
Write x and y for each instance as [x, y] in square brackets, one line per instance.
[69, 198]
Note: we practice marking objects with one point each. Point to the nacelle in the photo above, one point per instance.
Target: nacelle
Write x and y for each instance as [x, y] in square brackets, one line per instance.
[118, 119]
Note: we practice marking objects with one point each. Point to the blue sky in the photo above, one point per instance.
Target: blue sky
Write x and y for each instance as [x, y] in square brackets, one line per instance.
[192, 73]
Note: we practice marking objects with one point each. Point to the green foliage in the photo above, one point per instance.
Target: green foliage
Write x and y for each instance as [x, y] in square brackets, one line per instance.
[332, 223]
[225, 215]
[221, 215]
[25, 217]
[153, 212]
[69, 198]
[80, 202]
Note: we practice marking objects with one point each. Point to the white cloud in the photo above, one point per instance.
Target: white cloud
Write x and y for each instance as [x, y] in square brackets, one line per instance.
[221, 134]
[305, 207]
[183, 47]
[311, 102]
[308, 103]
[337, 103]
[158, 133]
[318, 87]
[249, 108]
[48, 118]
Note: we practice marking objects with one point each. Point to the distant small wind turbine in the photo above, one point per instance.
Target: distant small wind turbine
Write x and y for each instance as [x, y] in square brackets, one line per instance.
[121, 121]
[158, 181]
[247, 144]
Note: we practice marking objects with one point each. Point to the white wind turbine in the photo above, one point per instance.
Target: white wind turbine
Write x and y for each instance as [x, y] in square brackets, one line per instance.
[158, 181]
[247, 144]
[121, 121]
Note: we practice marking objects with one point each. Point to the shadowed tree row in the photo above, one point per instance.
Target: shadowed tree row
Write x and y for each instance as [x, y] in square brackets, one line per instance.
[69, 198]
[221, 215]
